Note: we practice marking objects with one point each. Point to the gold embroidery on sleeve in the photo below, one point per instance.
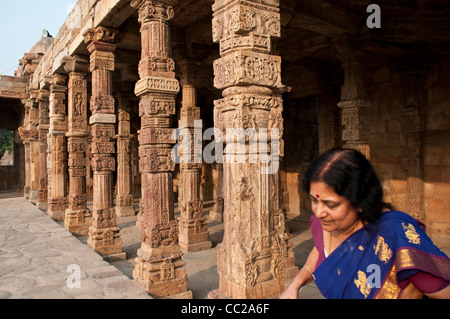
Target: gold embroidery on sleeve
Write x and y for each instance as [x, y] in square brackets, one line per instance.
[382, 250]
[361, 283]
[411, 234]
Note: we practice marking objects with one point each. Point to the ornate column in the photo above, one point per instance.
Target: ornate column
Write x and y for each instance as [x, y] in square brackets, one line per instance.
[24, 136]
[44, 125]
[78, 217]
[104, 235]
[354, 101]
[57, 193]
[159, 265]
[34, 145]
[125, 195]
[194, 235]
[251, 259]
[413, 128]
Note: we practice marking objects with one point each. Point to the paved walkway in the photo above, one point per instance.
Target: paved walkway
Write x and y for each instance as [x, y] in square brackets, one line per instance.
[36, 253]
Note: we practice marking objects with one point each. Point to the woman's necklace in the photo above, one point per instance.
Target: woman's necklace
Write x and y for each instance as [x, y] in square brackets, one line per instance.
[329, 242]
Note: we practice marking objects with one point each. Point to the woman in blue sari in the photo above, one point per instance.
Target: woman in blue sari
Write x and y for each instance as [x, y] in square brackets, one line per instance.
[363, 248]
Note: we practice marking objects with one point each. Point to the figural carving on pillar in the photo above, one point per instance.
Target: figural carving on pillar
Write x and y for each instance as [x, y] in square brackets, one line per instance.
[57, 193]
[125, 194]
[194, 235]
[104, 235]
[78, 216]
[44, 125]
[26, 134]
[254, 253]
[159, 265]
[33, 123]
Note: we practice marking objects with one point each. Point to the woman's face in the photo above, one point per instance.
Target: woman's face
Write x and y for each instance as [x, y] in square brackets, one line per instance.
[334, 212]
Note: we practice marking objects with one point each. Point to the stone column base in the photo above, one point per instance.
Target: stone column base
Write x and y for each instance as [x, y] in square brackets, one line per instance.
[78, 221]
[162, 272]
[106, 241]
[57, 215]
[33, 196]
[194, 235]
[125, 211]
[57, 208]
[42, 206]
[290, 269]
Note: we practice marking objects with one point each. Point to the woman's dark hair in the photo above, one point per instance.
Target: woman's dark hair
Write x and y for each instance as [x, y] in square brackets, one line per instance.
[352, 176]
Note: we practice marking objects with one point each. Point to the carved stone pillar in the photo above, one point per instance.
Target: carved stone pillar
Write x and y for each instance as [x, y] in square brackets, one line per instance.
[252, 257]
[354, 101]
[44, 125]
[33, 122]
[57, 194]
[217, 212]
[125, 195]
[194, 235]
[24, 136]
[159, 265]
[328, 118]
[104, 235]
[413, 128]
[77, 217]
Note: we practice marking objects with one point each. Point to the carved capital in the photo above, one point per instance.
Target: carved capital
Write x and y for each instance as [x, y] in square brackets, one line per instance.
[101, 34]
[43, 96]
[75, 64]
[154, 10]
[239, 18]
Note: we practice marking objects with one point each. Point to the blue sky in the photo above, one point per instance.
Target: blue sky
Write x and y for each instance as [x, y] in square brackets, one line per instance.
[21, 25]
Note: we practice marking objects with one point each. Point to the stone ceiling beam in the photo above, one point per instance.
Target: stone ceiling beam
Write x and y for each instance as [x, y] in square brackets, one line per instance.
[325, 18]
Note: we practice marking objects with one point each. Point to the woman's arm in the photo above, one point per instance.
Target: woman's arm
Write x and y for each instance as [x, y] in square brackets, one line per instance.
[442, 294]
[430, 285]
[303, 277]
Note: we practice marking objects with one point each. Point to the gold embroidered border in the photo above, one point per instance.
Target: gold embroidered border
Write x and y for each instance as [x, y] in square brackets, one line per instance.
[407, 258]
[390, 288]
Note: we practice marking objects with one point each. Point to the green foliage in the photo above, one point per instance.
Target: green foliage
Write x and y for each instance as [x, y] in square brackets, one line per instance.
[6, 141]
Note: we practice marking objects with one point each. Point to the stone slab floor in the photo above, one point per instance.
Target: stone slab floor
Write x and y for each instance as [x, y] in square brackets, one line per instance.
[36, 251]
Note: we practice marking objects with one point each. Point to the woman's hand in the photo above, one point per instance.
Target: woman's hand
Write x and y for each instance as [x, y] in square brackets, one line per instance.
[291, 292]
[303, 277]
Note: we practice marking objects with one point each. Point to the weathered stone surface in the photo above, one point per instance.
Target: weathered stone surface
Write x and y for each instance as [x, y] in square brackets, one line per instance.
[159, 266]
[104, 235]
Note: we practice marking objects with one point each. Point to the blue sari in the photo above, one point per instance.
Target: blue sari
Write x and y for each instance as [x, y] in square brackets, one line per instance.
[373, 260]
